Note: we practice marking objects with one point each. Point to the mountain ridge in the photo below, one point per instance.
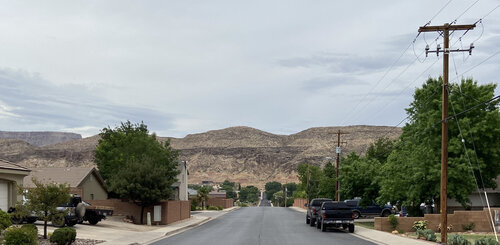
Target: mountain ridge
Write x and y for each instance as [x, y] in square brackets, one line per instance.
[242, 154]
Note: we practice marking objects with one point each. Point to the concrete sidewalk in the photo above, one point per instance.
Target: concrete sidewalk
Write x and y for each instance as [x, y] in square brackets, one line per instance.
[379, 237]
[116, 232]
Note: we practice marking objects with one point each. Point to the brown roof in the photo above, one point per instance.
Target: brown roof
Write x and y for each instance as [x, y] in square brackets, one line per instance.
[4, 164]
[71, 176]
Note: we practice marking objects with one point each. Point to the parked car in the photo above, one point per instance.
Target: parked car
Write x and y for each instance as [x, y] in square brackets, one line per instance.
[313, 208]
[373, 209]
[335, 214]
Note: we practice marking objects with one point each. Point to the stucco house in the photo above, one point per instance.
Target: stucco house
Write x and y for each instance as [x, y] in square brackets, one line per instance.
[478, 200]
[86, 182]
[181, 186]
[11, 176]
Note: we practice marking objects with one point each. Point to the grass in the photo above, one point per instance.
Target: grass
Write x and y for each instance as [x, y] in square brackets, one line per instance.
[368, 224]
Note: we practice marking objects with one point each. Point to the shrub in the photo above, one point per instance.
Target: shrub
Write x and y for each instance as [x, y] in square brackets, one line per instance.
[211, 208]
[63, 236]
[393, 220]
[469, 227]
[420, 225]
[193, 207]
[486, 241]
[4, 220]
[458, 239]
[20, 236]
[428, 234]
[31, 228]
[220, 207]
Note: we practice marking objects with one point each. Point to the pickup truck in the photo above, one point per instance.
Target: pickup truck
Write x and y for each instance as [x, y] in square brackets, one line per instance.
[373, 209]
[71, 213]
[313, 208]
[335, 214]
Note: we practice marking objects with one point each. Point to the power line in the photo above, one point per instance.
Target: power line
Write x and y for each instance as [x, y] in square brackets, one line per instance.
[392, 65]
[472, 108]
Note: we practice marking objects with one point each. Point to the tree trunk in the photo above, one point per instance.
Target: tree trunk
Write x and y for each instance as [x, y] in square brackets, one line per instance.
[142, 214]
[45, 226]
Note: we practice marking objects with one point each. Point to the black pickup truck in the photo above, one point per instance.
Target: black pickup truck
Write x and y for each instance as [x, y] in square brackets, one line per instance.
[313, 208]
[335, 214]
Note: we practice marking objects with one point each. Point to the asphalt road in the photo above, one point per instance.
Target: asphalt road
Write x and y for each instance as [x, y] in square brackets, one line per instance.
[261, 226]
[264, 202]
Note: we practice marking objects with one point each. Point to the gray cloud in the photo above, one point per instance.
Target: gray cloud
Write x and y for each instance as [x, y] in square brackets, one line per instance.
[36, 101]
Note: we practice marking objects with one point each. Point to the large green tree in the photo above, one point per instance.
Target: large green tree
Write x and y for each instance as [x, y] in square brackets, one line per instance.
[135, 165]
[328, 181]
[271, 188]
[359, 175]
[309, 177]
[249, 194]
[228, 186]
[359, 178]
[44, 199]
[412, 172]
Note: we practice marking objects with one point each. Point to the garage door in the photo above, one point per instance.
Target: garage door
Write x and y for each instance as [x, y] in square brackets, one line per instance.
[4, 196]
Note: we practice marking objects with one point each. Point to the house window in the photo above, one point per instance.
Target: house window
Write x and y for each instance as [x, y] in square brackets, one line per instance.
[91, 196]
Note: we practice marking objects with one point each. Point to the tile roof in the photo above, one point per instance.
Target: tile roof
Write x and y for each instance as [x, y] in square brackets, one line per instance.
[4, 164]
[69, 175]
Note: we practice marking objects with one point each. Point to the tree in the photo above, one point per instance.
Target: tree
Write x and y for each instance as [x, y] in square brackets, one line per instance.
[135, 165]
[249, 194]
[327, 182]
[359, 178]
[130, 143]
[202, 195]
[380, 150]
[143, 182]
[309, 177]
[229, 188]
[44, 199]
[412, 172]
[271, 188]
[291, 188]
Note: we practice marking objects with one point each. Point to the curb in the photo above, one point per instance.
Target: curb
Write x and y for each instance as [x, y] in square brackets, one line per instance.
[185, 228]
[171, 233]
[177, 231]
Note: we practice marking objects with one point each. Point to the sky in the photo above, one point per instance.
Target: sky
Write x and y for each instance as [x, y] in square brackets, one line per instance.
[185, 67]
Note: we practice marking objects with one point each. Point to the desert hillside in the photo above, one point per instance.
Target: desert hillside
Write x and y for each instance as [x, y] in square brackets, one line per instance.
[240, 154]
[40, 138]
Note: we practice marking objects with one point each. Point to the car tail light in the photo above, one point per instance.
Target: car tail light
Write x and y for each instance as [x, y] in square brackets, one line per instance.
[324, 215]
[314, 211]
[353, 215]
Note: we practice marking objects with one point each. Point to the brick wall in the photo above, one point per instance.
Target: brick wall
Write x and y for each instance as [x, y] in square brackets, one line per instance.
[225, 203]
[299, 203]
[481, 219]
[171, 211]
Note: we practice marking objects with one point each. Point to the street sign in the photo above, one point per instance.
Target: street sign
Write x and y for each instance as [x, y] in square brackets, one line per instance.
[338, 149]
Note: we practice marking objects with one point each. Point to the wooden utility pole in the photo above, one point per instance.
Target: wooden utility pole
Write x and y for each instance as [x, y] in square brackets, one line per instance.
[338, 151]
[445, 29]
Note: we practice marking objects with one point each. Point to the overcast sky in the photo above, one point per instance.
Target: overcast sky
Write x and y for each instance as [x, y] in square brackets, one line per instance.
[186, 67]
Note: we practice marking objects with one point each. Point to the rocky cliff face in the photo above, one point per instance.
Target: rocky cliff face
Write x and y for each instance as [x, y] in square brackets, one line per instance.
[40, 138]
[240, 154]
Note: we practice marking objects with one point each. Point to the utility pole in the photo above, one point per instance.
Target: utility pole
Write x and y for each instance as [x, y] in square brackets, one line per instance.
[338, 150]
[445, 29]
[307, 190]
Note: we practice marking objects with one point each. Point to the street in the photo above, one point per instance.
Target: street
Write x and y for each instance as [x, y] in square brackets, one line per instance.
[263, 226]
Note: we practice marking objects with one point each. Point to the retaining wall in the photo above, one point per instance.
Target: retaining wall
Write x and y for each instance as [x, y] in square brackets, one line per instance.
[299, 202]
[170, 211]
[481, 219]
